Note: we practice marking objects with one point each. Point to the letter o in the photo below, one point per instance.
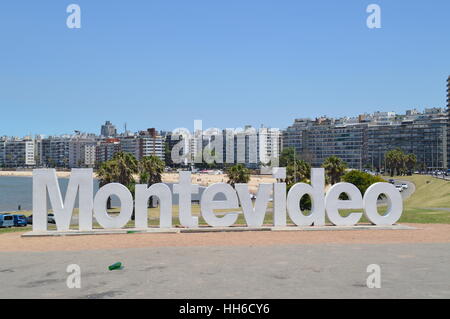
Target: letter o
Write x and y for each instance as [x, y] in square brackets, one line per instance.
[126, 203]
[395, 207]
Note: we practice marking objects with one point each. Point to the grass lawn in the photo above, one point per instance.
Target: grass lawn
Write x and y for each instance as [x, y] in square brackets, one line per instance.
[430, 193]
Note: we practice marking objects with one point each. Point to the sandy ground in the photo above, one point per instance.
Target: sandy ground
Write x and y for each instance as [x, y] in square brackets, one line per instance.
[424, 233]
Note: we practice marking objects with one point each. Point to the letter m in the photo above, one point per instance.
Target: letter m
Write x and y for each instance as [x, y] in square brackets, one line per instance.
[80, 181]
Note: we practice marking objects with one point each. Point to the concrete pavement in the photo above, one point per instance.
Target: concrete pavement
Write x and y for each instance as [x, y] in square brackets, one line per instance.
[286, 271]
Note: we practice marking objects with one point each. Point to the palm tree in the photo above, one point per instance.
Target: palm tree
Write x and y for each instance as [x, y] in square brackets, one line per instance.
[297, 171]
[106, 174]
[411, 161]
[238, 174]
[395, 161]
[287, 156]
[150, 171]
[127, 165]
[119, 169]
[334, 168]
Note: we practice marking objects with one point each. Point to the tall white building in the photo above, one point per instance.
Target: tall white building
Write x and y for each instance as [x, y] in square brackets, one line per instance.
[151, 144]
[17, 152]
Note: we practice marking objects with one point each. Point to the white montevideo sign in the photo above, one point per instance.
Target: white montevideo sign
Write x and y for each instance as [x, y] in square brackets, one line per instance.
[81, 184]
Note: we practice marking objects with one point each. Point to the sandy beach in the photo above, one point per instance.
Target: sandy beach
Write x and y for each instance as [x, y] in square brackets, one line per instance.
[200, 179]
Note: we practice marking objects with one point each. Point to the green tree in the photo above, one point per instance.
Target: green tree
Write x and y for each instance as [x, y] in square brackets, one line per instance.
[119, 169]
[287, 156]
[127, 165]
[107, 173]
[297, 171]
[238, 174]
[411, 161]
[395, 162]
[361, 180]
[150, 171]
[334, 168]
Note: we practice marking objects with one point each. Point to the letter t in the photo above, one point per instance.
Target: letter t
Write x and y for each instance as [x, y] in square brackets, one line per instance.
[185, 189]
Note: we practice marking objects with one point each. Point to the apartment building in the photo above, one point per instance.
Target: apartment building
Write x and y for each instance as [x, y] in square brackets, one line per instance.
[108, 130]
[17, 152]
[54, 151]
[130, 144]
[82, 151]
[363, 141]
[151, 144]
[106, 149]
[2, 151]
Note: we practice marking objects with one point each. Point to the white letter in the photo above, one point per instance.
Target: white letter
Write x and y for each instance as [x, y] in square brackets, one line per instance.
[45, 179]
[164, 195]
[316, 192]
[374, 20]
[126, 203]
[395, 204]
[333, 204]
[74, 20]
[254, 216]
[208, 204]
[184, 188]
[279, 197]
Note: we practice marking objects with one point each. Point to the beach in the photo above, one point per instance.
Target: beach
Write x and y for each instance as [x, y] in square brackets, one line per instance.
[200, 179]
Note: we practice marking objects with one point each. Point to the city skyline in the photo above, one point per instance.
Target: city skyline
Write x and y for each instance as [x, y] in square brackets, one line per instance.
[229, 64]
[122, 132]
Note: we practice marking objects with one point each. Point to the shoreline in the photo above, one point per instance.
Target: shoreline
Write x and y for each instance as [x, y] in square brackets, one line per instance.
[30, 174]
[197, 178]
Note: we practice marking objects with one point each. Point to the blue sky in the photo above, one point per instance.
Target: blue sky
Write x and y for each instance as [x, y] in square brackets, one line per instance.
[164, 63]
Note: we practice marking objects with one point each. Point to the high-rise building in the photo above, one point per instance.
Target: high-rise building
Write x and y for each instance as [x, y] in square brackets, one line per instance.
[130, 144]
[363, 142]
[17, 152]
[2, 151]
[108, 130]
[82, 151]
[106, 149]
[151, 144]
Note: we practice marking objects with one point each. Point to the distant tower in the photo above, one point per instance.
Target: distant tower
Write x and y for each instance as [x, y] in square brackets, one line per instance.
[108, 130]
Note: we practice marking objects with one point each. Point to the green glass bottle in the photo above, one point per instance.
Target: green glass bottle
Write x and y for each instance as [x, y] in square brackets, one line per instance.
[115, 266]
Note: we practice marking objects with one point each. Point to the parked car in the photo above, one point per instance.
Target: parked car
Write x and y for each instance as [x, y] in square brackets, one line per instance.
[6, 221]
[20, 220]
[51, 219]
